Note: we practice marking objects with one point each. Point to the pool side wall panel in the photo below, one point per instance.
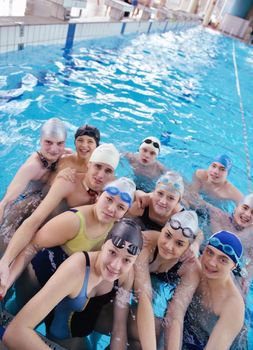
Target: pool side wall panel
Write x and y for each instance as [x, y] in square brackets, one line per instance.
[17, 37]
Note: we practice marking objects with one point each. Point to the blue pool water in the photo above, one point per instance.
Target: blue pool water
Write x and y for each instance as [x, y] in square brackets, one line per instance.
[192, 89]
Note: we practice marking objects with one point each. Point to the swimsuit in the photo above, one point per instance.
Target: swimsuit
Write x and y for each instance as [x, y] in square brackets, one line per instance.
[163, 287]
[76, 317]
[198, 325]
[146, 223]
[47, 261]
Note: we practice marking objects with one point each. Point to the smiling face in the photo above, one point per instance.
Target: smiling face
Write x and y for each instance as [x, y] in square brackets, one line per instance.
[52, 148]
[243, 215]
[172, 243]
[147, 155]
[110, 208]
[114, 261]
[164, 200]
[85, 145]
[215, 264]
[217, 173]
[98, 175]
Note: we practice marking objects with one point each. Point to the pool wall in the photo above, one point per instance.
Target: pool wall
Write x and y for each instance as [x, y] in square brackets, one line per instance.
[18, 34]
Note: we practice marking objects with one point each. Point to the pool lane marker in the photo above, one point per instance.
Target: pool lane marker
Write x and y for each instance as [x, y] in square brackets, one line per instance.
[70, 36]
[246, 147]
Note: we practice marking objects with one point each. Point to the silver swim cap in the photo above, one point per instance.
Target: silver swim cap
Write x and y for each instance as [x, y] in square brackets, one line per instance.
[55, 128]
[248, 200]
[187, 221]
[173, 181]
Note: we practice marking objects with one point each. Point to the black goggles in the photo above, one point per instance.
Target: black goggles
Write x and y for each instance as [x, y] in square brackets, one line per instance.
[155, 144]
[120, 243]
[187, 232]
[92, 193]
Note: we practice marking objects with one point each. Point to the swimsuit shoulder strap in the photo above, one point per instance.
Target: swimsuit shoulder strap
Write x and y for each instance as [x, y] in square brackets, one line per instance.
[154, 256]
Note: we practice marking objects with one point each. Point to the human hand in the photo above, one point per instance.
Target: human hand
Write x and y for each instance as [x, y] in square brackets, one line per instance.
[68, 151]
[142, 199]
[4, 278]
[67, 174]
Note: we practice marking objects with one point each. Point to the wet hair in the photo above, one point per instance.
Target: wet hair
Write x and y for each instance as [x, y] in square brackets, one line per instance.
[128, 230]
[88, 130]
[54, 127]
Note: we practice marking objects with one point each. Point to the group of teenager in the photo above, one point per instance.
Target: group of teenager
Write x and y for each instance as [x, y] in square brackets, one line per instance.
[74, 238]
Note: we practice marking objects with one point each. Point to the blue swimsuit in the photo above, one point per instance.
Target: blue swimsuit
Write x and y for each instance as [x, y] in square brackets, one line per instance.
[59, 327]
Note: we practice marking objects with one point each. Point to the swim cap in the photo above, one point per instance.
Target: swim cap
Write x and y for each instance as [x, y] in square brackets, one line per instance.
[187, 221]
[106, 153]
[173, 181]
[88, 130]
[225, 161]
[228, 243]
[129, 231]
[248, 200]
[152, 142]
[54, 127]
[123, 187]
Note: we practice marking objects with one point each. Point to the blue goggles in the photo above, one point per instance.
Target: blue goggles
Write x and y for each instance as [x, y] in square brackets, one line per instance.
[114, 191]
[226, 248]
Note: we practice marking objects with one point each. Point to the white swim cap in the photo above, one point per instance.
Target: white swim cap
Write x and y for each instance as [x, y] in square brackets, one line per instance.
[106, 153]
[123, 187]
[54, 127]
[152, 142]
[248, 200]
[187, 221]
[173, 181]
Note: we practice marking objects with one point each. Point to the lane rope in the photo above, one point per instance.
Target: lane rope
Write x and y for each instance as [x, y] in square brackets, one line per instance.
[245, 136]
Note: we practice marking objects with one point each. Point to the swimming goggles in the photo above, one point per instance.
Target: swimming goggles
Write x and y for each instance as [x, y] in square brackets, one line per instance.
[155, 144]
[92, 193]
[114, 191]
[120, 243]
[226, 248]
[187, 232]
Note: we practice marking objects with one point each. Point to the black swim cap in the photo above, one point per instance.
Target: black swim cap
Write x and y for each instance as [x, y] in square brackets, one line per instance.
[88, 130]
[128, 230]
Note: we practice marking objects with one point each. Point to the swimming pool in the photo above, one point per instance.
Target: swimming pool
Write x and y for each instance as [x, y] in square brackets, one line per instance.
[182, 87]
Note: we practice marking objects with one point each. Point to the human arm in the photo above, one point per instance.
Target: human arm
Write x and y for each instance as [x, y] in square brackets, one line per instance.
[27, 172]
[174, 320]
[120, 314]
[55, 232]
[228, 325]
[43, 302]
[26, 231]
[143, 291]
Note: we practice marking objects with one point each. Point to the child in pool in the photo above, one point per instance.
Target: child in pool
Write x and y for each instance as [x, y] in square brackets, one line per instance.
[82, 228]
[213, 181]
[161, 272]
[215, 316]
[39, 166]
[147, 169]
[64, 194]
[87, 275]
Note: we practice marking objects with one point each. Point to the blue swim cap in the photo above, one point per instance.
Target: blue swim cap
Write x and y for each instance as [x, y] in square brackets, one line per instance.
[228, 243]
[225, 161]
